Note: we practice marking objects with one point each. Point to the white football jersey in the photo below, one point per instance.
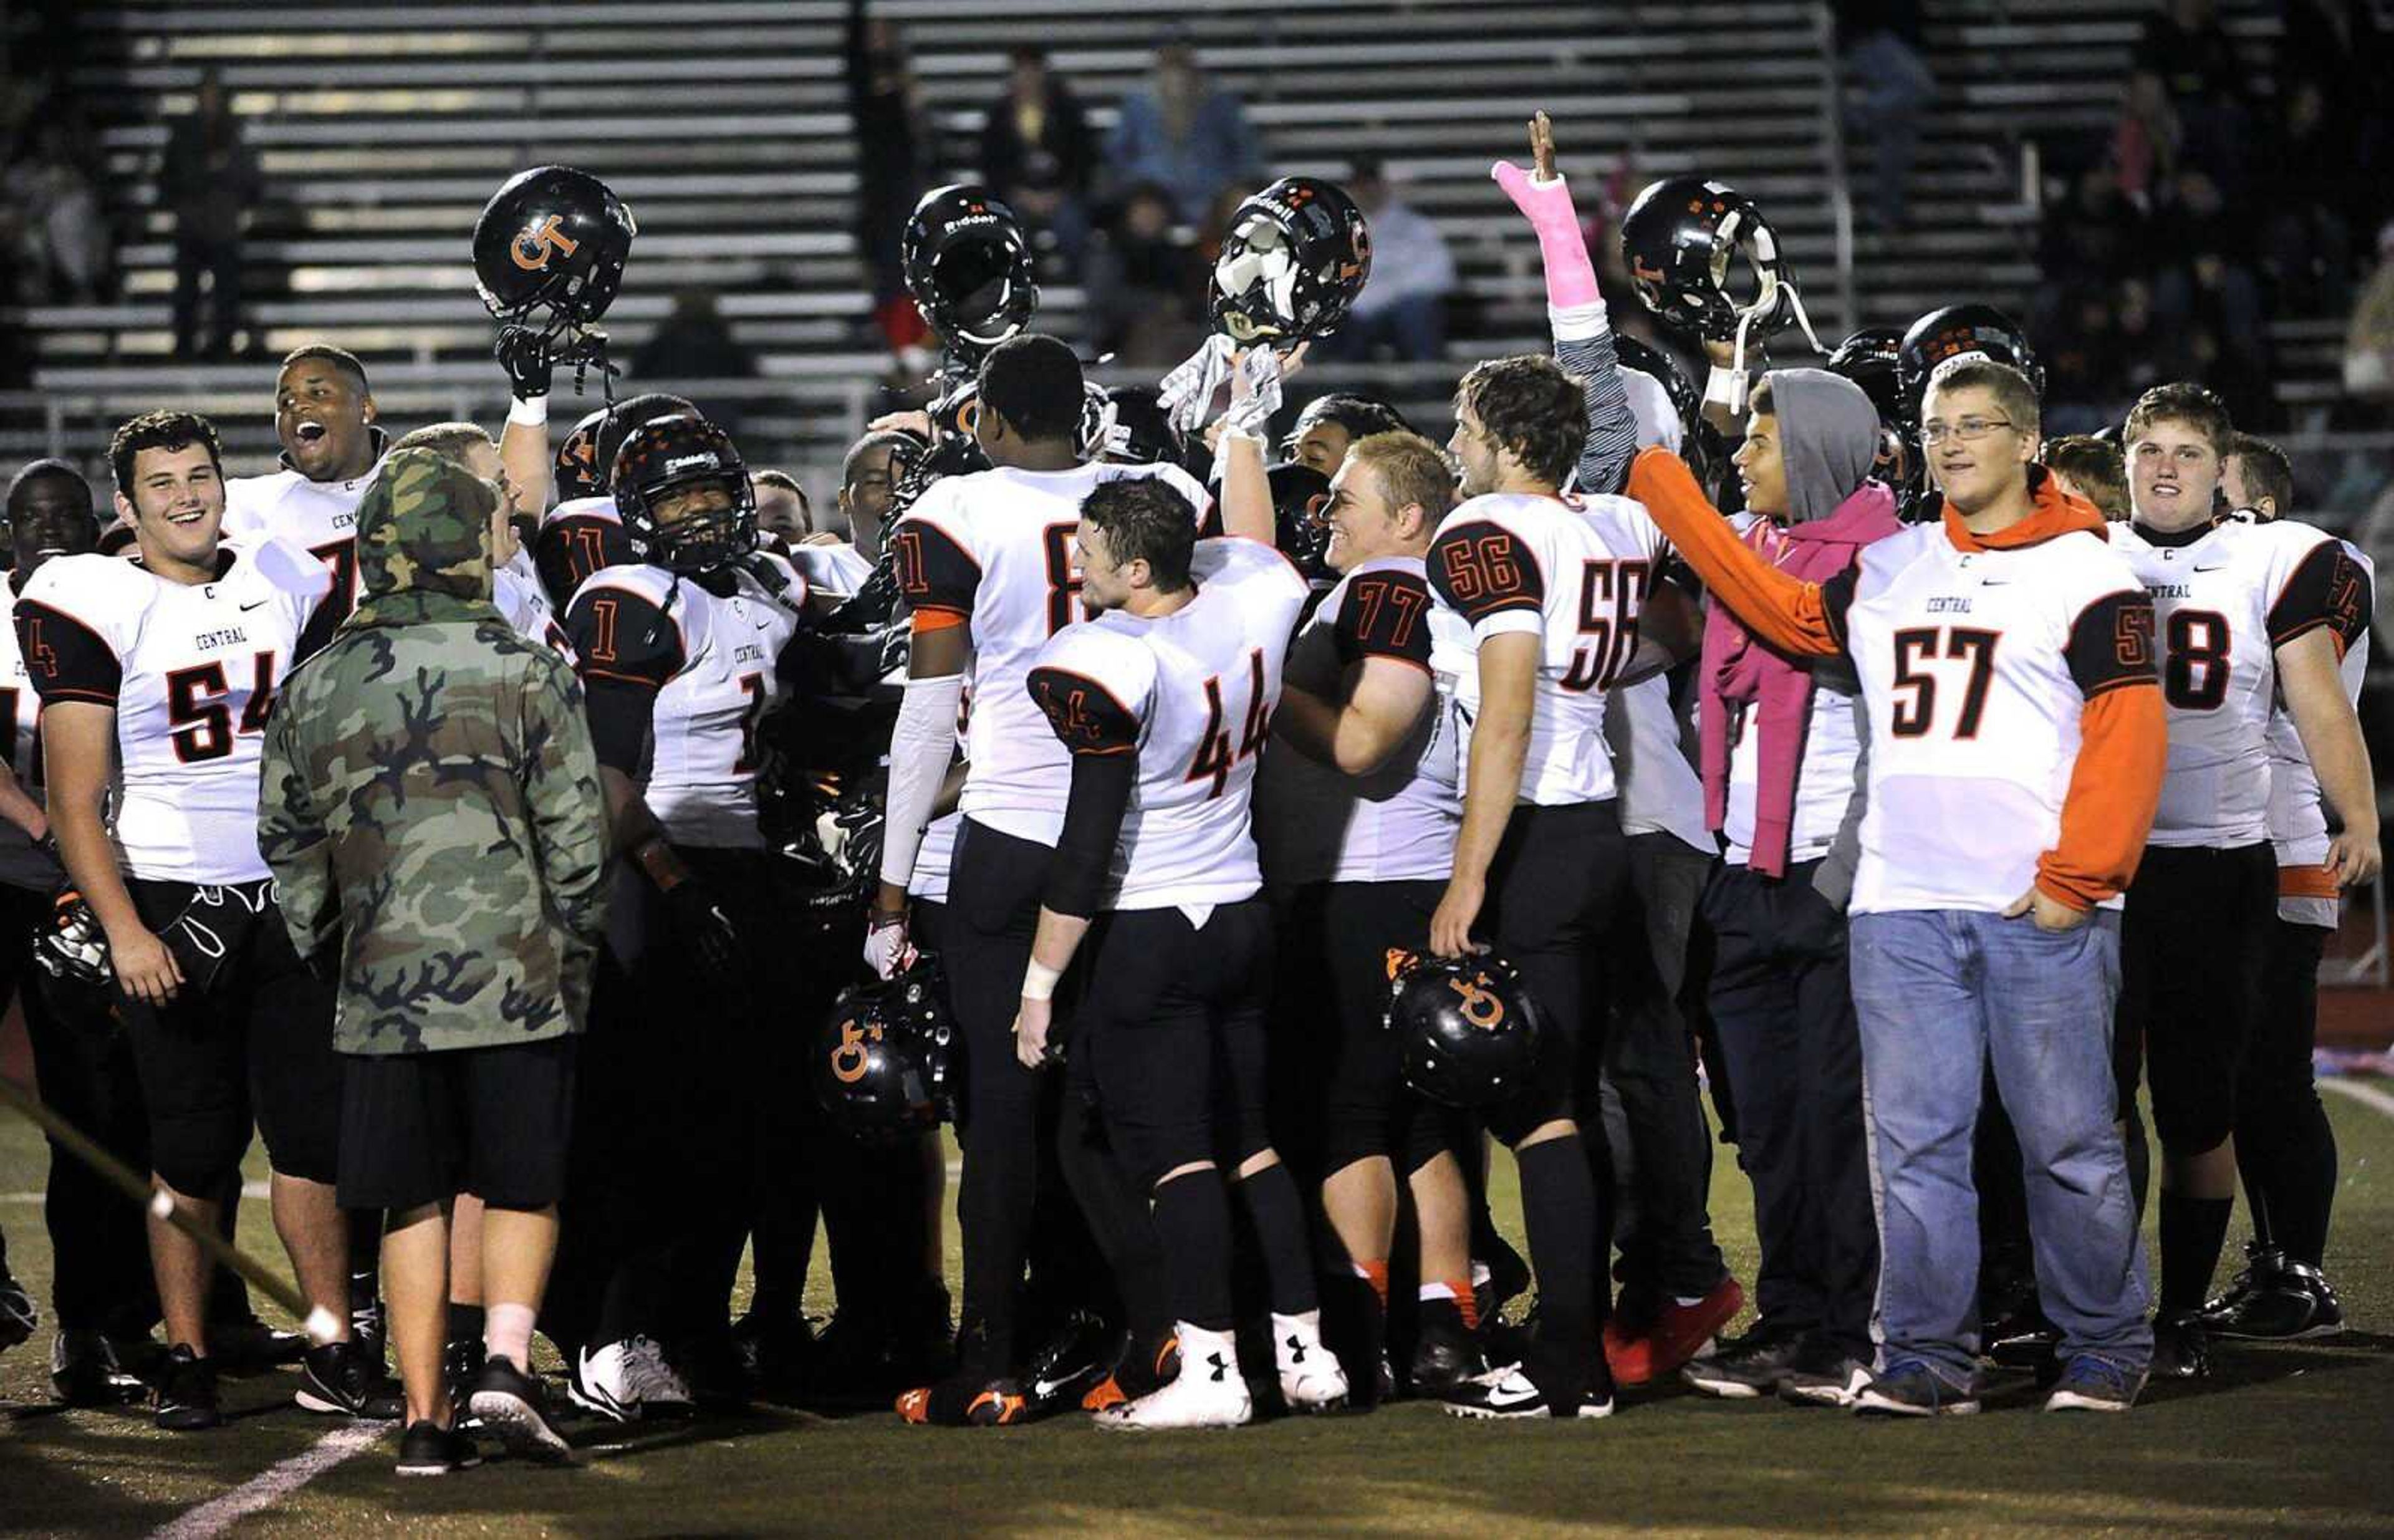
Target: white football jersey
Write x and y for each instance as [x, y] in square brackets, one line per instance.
[831, 569]
[1574, 572]
[2297, 813]
[321, 516]
[994, 549]
[1660, 790]
[190, 670]
[1316, 825]
[21, 708]
[934, 858]
[515, 589]
[1985, 659]
[1824, 782]
[1192, 693]
[708, 661]
[2224, 601]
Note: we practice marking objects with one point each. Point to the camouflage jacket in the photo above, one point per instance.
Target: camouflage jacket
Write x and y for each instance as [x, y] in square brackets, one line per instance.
[430, 801]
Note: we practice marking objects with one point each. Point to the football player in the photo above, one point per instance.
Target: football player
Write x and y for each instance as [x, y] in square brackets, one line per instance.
[2091, 468]
[680, 655]
[2249, 614]
[2006, 809]
[1328, 426]
[1163, 699]
[2285, 1147]
[1355, 833]
[1677, 1290]
[985, 562]
[100, 1281]
[782, 514]
[1540, 846]
[583, 534]
[515, 587]
[156, 676]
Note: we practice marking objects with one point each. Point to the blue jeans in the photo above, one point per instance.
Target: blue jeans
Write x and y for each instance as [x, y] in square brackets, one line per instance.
[1937, 992]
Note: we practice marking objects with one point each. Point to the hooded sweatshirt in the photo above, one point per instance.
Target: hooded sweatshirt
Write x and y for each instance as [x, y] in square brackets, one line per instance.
[430, 800]
[1786, 785]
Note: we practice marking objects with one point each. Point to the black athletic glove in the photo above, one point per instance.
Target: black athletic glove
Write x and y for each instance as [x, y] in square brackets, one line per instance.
[531, 366]
[700, 921]
[72, 946]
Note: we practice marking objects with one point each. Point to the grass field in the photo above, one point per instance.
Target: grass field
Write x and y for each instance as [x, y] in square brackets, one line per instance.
[2286, 1440]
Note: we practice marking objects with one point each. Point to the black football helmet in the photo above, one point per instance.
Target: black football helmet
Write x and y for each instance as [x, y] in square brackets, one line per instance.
[1139, 433]
[1293, 259]
[968, 268]
[885, 1066]
[580, 472]
[1868, 358]
[1466, 1029]
[1700, 441]
[669, 453]
[1301, 523]
[1957, 334]
[549, 250]
[1680, 239]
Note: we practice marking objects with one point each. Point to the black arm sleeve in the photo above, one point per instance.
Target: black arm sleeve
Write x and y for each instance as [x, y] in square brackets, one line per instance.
[1093, 817]
[65, 659]
[621, 713]
[2111, 643]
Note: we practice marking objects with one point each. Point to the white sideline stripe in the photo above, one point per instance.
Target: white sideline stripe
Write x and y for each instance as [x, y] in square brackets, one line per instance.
[272, 1484]
[2368, 1096]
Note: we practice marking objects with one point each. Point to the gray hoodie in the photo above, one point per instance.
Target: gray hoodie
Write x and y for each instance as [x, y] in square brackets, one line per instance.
[1828, 434]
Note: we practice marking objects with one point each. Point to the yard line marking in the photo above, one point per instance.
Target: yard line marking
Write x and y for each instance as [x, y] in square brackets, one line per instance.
[2368, 1096]
[272, 1485]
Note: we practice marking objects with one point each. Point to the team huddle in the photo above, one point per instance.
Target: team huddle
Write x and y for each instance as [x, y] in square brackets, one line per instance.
[1229, 850]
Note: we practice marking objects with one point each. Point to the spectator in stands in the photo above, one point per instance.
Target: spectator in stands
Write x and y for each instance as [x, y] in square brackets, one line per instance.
[1147, 284]
[2092, 468]
[62, 238]
[2185, 43]
[2368, 338]
[2145, 141]
[2096, 235]
[2312, 199]
[1184, 134]
[209, 180]
[695, 343]
[1881, 43]
[1036, 152]
[1402, 309]
[893, 142]
[2205, 249]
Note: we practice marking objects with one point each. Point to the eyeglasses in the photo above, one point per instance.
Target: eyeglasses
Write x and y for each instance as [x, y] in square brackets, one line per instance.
[1966, 430]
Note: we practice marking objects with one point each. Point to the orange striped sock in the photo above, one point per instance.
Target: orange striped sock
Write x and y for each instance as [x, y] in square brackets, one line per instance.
[1465, 1301]
[1377, 1274]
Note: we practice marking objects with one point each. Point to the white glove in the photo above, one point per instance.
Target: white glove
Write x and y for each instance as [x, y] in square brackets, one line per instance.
[887, 948]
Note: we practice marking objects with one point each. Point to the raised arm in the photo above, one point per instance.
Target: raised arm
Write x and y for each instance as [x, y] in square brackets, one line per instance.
[1792, 615]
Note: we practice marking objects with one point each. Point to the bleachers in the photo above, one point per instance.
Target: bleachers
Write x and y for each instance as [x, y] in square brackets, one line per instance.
[724, 126]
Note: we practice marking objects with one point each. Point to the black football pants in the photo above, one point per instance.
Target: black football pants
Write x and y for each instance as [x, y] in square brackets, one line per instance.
[2285, 1147]
[1650, 1110]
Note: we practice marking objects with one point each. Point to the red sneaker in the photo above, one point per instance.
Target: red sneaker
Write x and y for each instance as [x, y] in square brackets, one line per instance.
[1629, 1352]
[1682, 1331]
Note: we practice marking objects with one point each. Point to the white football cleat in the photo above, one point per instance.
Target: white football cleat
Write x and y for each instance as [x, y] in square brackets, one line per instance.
[1208, 1392]
[602, 1381]
[1311, 1378]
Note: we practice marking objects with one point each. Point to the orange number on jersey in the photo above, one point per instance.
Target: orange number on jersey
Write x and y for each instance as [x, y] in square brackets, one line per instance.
[602, 630]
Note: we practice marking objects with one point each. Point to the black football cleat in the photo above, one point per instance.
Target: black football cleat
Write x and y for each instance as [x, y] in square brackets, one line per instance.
[84, 1371]
[1075, 1356]
[427, 1449]
[245, 1343]
[515, 1407]
[339, 1380]
[959, 1401]
[186, 1399]
[2289, 1302]
[1445, 1356]
[2181, 1350]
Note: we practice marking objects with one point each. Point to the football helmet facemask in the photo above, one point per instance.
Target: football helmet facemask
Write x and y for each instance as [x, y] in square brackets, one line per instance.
[669, 455]
[1466, 1029]
[1293, 259]
[549, 250]
[969, 269]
